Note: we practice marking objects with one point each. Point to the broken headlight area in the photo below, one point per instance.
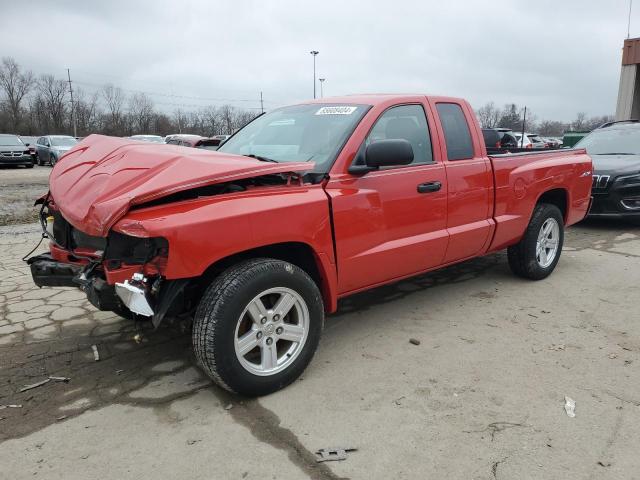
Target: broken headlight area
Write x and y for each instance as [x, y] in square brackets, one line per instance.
[126, 249]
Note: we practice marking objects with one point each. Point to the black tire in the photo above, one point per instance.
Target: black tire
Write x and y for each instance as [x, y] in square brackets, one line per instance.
[220, 308]
[52, 160]
[522, 256]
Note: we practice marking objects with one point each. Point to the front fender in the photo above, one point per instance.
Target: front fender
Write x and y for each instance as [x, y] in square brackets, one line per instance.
[203, 231]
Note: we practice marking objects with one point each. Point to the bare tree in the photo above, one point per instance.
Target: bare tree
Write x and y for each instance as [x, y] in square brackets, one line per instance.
[114, 98]
[551, 128]
[580, 123]
[53, 94]
[212, 121]
[488, 115]
[141, 112]
[15, 85]
[87, 112]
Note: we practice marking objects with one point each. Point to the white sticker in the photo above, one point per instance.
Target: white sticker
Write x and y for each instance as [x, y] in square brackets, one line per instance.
[339, 110]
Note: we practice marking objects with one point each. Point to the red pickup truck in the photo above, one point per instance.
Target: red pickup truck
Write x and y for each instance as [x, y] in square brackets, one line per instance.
[305, 205]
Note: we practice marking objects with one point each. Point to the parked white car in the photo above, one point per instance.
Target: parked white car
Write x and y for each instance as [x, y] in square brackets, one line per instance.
[530, 140]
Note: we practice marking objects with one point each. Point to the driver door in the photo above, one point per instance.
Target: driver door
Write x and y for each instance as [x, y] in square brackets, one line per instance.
[391, 222]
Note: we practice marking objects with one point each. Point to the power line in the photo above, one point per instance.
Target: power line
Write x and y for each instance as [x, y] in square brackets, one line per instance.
[147, 82]
[171, 95]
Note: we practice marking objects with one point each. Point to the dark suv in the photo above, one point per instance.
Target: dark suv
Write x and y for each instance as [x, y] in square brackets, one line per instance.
[499, 138]
[615, 150]
[14, 152]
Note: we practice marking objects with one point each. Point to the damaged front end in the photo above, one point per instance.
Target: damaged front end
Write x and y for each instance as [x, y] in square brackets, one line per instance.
[119, 273]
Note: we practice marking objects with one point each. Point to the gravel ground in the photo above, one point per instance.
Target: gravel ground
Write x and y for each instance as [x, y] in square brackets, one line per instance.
[19, 188]
[481, 397]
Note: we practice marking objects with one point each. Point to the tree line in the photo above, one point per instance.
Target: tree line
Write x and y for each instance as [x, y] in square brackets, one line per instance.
[41, 105]
[511, 116]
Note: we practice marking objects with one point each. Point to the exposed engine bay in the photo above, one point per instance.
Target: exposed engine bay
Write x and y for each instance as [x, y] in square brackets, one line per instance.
[84, 261]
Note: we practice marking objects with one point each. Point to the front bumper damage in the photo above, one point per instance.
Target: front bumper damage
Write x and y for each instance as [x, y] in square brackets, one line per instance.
[134, 295]
[47, 272]
[118, 273]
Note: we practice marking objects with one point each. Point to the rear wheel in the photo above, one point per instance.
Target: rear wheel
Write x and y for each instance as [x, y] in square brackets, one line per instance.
[258, 325]
[538, 252]
[52, 160]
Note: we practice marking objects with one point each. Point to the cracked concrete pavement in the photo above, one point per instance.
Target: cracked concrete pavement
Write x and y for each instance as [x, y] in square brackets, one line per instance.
[481, 396]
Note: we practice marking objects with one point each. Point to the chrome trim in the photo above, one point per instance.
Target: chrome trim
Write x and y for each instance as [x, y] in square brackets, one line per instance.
[600, 181]
[627, 207]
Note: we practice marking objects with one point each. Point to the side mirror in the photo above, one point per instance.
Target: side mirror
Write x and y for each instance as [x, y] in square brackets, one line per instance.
[386, 153]
[383, 153]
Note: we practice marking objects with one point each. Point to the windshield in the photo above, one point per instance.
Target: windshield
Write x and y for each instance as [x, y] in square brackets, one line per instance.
[312, 132]
[63, 141]
[10, 140]
[605, 141]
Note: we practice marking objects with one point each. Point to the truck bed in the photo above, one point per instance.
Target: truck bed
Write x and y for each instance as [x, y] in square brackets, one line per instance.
[518, 179]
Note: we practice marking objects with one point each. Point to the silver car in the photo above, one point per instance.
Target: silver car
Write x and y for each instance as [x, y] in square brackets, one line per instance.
[50, 148]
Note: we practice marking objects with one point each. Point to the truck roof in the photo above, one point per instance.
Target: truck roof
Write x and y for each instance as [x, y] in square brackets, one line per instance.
[378, 98]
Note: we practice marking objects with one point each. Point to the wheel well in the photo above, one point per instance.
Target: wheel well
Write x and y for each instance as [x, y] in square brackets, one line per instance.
[557, 197]
[299, 254]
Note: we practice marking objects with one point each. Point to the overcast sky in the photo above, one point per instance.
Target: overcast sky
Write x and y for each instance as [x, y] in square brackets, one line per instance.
[557, 57]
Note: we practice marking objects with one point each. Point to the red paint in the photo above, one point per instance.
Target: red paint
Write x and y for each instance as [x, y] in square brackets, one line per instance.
[383, 229]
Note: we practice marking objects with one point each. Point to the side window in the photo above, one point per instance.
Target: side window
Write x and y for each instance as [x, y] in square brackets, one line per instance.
[456, 131]
[406, 122]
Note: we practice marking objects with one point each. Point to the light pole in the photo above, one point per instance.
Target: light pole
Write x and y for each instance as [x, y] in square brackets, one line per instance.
[321, 82]
[314, 53]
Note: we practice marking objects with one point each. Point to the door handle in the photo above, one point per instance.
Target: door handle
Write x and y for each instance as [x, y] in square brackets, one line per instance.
[429, 187]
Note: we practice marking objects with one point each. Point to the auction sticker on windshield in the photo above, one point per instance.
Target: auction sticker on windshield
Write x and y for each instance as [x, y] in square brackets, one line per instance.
[338, 110]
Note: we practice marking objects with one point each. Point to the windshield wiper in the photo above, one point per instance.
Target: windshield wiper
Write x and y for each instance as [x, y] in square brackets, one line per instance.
[261, 158]
[615, 153]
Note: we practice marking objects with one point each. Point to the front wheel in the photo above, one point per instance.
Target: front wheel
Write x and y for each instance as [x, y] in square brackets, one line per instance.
[258, 325]
[538, 252]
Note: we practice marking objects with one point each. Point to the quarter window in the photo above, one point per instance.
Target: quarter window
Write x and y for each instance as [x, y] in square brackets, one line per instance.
[456, 131]
[407, 122]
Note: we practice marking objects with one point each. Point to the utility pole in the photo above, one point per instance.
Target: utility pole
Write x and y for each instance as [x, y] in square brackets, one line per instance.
[73, 117]
[524, 121]
[321, 83]
[629, 20]
[261, 103]
[314, 53]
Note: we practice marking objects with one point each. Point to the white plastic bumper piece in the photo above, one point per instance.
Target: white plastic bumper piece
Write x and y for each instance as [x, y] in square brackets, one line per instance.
[134, 298]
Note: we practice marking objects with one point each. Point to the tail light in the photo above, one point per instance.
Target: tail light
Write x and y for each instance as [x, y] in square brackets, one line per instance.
[498, 144]
[529, 146]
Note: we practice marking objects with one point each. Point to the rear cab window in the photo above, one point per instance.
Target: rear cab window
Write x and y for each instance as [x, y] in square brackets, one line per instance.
[456, 131]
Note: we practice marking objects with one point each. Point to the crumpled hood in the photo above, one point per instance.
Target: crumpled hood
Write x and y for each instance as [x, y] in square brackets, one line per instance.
[97, 181]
